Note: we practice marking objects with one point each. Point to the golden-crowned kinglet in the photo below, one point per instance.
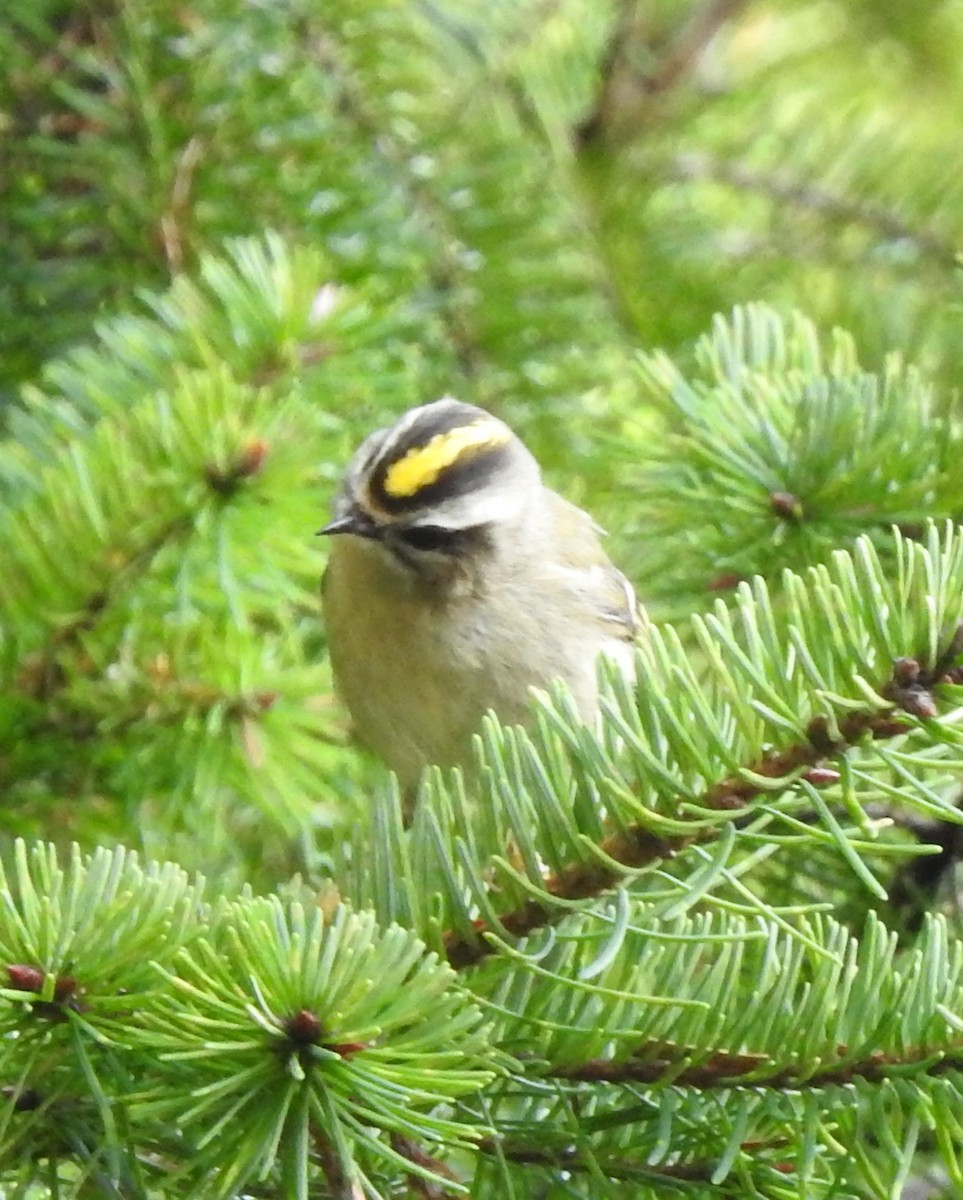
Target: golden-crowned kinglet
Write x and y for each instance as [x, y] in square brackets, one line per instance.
[456, 582]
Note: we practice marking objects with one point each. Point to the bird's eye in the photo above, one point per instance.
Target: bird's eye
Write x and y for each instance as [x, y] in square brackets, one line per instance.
[431, 537]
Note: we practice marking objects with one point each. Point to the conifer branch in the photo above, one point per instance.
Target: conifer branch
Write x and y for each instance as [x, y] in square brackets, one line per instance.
[637, 847]
[766, 399]
[623, 1169]
[41, 675]
[783, 188]
[165, 702]
[746, 1069]
[685, 52]
[446, 265]
[624, 90]
[699, 1024]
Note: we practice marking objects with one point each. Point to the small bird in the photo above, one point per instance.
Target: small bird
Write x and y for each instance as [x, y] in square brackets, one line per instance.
[458, 581]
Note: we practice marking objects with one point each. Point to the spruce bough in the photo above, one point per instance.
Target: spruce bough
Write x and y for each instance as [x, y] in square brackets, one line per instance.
[646, 958]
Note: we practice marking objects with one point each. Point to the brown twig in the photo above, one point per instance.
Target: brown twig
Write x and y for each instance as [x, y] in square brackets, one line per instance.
[425, 1189]
[624, 90]
[725, 1070]
[637, 847]
[174, 218]
[340, 1185]
[685, 52]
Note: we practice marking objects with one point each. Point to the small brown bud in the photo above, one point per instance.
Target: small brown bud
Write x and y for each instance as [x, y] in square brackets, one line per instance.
[887, 728]
[917, 702]
[906, 671]
[822, 776]
[65, 988]
[347, 1049]
[304, 1028]
[728, 801]
[786, 505]
[24, 978]
[226, 480]
[724, 582]
[66, 991]
[251, 458]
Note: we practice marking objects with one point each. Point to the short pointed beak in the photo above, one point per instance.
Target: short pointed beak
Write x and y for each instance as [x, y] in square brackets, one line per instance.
[358, 523]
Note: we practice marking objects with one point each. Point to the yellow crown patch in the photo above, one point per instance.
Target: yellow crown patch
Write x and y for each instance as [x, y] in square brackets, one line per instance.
[421, 467]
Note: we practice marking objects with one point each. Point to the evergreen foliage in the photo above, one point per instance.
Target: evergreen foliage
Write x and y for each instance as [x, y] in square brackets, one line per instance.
[703, 257]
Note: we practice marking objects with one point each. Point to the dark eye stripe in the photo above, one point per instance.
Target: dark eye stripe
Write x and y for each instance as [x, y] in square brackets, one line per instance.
[431, 537]
[416, 546]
